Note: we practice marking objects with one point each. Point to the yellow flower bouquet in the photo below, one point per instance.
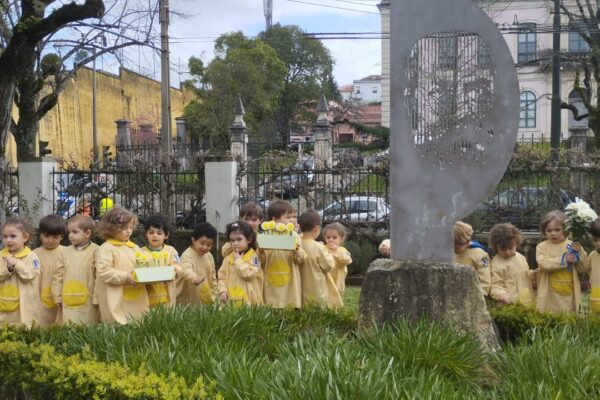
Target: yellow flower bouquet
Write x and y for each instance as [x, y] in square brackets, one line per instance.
[277, 236]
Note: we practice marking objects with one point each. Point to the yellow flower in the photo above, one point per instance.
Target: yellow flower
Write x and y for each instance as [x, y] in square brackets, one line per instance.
[280, 227]
[271, 225]
[290, 227]
[144, 258]
[138, 255]
[265, 226]
[155, 255]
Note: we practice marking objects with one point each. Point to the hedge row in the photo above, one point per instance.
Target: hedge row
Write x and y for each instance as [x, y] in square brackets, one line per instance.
[515, 321]
[38, 371]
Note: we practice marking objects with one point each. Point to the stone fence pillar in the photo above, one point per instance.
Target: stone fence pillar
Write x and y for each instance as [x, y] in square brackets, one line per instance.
[239, 140]
[36, 188]
[123, 138]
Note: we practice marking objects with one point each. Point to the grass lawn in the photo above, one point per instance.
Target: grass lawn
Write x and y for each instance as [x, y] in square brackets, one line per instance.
[351, 296]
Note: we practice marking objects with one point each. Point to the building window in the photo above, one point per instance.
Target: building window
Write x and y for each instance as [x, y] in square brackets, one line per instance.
[484, 55]
[357, 90]
[528, 110]
[576, 42]
[447, 50]
[527, 43]
[374, 89]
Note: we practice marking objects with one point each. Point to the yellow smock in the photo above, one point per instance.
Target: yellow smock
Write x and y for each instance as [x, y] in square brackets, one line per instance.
[74, 283]
[50, 260]
[342, 259]
[163, 292]
[559, 289]
[512, 277]
[480, 260]
[318, 286]
[20, 290]
[242, 279]
[118, 300]
[193, 266]
[282, 286]
[593, 265]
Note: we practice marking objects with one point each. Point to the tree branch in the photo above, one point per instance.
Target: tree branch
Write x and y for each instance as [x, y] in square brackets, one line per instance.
[574, 110]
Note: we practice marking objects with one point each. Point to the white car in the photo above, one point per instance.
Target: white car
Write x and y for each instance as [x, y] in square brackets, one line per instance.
[357, 209]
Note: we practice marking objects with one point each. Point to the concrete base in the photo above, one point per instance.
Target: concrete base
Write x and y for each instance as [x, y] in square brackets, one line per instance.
[444, 293]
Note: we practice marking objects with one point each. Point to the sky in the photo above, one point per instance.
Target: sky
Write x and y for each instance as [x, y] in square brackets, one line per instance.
[208, 19]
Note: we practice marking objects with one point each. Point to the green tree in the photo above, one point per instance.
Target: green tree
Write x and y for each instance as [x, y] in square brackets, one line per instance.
[309, 68]
[243, 66]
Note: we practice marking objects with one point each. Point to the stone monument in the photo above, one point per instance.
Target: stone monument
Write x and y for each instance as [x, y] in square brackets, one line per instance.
[454, 116]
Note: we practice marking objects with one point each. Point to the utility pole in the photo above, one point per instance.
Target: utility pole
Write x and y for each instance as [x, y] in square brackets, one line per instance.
[165, 127]
[94, 112]
[268, 10]
[555, 117]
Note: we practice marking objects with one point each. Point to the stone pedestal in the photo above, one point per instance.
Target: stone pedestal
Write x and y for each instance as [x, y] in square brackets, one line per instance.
[220, 179]
[444, 293]
[36, 188]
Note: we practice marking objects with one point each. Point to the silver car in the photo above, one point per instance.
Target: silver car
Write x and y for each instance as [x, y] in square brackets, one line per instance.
[357, 209]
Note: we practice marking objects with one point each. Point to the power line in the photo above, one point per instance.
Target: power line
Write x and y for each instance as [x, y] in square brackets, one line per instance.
[336, 7]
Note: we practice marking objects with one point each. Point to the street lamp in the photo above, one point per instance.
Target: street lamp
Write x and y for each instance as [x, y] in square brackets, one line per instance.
[95, 159]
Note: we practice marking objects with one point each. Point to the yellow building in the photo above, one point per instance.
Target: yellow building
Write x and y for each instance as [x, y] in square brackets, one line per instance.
[130, 96]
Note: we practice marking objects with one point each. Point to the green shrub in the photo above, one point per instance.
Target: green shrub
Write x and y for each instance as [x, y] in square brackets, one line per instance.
[516, 321]
[38, 371]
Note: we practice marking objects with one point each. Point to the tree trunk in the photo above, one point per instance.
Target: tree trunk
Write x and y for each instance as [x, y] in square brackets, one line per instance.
[29, 87]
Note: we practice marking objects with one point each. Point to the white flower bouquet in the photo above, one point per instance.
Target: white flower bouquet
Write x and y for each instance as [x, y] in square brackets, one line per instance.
[579, 218]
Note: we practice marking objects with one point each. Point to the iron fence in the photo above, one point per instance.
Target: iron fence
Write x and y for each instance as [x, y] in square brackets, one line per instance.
[143, 192]
[359, 196]
[12, 201]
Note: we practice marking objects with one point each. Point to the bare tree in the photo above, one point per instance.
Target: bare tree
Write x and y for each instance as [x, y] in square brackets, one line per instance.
[52, 51]
[583, 18]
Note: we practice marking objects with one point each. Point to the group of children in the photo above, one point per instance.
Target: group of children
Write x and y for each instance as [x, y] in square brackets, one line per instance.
[506, 278]
[85, 283]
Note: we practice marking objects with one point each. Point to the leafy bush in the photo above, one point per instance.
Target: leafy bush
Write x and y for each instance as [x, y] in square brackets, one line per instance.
[38, 371]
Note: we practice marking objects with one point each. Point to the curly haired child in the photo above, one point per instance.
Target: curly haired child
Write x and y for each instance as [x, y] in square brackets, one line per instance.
[511, 276]
[120, 297]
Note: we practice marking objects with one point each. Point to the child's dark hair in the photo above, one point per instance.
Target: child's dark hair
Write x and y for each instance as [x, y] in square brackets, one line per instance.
[279, 208]
[308, 220]
[549, 217]
[336, 226]
[251, 210]
[21, 223]
[53, 225]
[83, 222]
[245, 229]
[116, 219]
[595, 228]
[206, 230]
[504, 236]
[158, 221]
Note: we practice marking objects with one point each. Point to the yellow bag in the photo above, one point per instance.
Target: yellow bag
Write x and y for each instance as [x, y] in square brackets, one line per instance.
[204, 293]
[133, 293]
[595, 300]
[278, 273]
[46, 297]
[9, 298]
[75, 293]
[562, 282]
[158, 293]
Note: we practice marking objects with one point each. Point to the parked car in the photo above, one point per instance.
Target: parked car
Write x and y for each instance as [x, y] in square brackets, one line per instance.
[356, 209]
[291, 181]
[522, 207]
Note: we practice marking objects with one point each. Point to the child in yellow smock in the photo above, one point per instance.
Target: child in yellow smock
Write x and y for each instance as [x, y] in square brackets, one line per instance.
[282, 286]
[19, 274]
[593, 266]
[318, 286]
[73, 283]
[52, 229]
[250, 213]
[157, 229]
[198, 275]
[472, 254]
[334, 235]
[120, 297]
[559, 289]
[240, 277]
[511, 276]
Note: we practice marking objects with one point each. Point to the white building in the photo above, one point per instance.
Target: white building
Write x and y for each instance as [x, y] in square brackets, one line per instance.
[527, 29]
[367, 90]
